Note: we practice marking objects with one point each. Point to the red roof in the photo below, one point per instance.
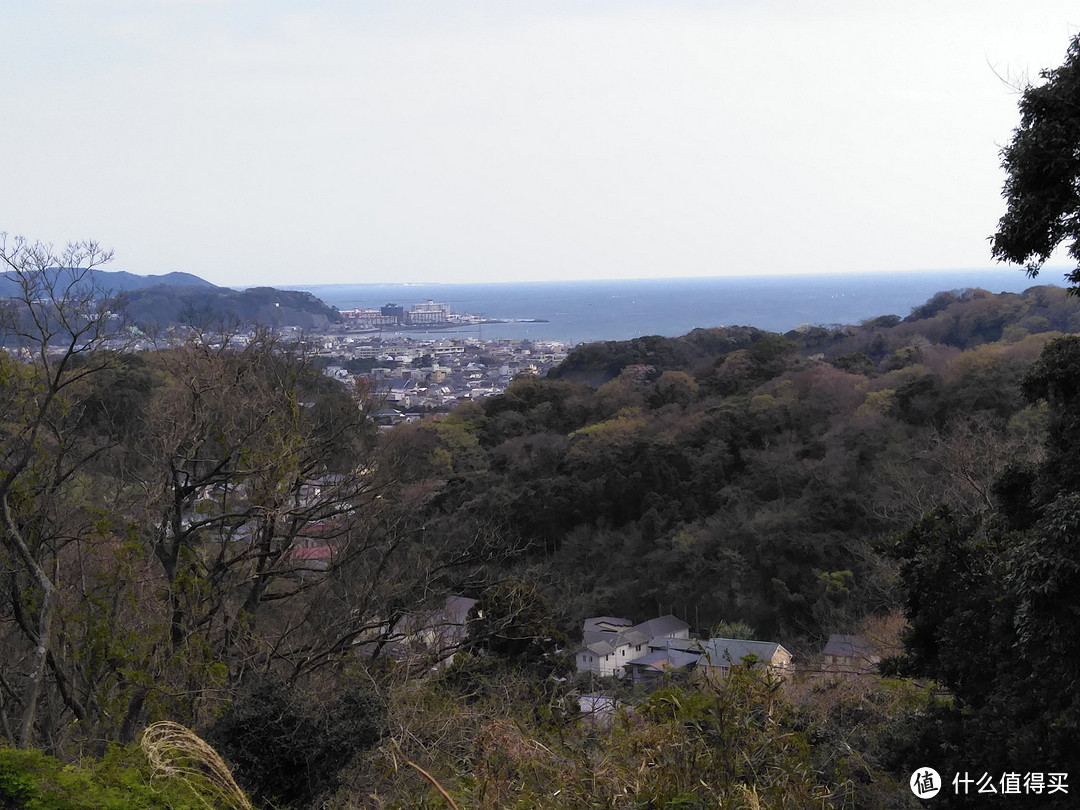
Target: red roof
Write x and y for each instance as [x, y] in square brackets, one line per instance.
[311, 553]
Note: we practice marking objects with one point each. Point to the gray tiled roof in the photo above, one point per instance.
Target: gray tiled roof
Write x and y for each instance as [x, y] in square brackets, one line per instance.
[601, 647]
[663, 626]
[603, 641]
[724, 652]
[669, 643]
[598, 623]
[665, 659]
[849, 647]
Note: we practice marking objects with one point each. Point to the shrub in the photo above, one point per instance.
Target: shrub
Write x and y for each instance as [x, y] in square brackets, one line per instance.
[287, 747]
[31, 780]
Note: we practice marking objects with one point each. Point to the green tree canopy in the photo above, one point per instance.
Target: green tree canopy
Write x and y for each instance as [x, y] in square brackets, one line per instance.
[1042, 162]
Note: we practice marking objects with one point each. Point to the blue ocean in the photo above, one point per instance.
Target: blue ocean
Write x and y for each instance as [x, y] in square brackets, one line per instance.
[583, 311]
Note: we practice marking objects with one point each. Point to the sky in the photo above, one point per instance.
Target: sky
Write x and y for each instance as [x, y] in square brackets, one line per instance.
[350, 141]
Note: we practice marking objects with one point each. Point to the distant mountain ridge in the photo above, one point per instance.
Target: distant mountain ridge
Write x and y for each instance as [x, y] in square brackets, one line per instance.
[161, 300]
[118, 281]
[123, 281]
[162, 305]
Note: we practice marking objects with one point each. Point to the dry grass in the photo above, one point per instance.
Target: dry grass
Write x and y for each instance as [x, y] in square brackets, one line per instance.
[178, 753]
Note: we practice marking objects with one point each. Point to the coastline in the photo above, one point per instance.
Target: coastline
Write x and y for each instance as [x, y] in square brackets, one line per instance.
[588, 311]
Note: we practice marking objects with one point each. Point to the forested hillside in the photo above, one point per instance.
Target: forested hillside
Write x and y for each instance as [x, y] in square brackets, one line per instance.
[157, 302]
[214, 534]
[160, 306]
[736, 475]
[769, 483]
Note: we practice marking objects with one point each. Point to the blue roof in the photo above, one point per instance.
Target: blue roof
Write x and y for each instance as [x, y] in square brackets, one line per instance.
[665, 659]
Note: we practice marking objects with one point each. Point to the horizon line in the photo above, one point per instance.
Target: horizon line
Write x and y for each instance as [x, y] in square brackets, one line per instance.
[1035, 281]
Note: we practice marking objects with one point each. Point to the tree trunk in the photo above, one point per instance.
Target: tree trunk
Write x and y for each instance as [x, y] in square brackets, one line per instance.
[44, 628]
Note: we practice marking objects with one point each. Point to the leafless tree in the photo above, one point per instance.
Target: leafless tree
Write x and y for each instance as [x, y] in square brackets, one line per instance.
[54, 318]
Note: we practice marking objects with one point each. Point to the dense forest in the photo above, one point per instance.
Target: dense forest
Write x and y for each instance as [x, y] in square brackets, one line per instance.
[737, 475]
[213, 533]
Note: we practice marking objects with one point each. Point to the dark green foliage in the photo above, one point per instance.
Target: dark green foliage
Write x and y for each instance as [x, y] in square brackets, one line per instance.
[940, 301]
[1042, 163]
[1014, 496]
[919, 401]
[883, 321]
[1055, 377]
[993, 607]
[993, 620]
[673, 388]
[726, 487]
[512, 621]
[30, 780]
[597, 363]
[115, 409]
[856, 363]
[740, 371]
[287, 747]
[160, 306]
[530, 402]
[948, 573]
[819, 337]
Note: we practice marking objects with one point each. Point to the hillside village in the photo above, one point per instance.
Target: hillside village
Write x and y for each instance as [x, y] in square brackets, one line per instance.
[644, 653]
[415, 376]
[648, 653]
[411, 374]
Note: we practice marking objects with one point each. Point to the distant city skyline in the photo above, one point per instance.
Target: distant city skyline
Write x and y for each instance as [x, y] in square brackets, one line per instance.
[469, 141]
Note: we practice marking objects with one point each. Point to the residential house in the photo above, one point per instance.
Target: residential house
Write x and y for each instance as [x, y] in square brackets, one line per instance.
[719, 655]
[309, 559]
[609, 642]
[713, 658]
[604, 624]
[439, 631]
[661, 662]
[429, 635]
[849, 656]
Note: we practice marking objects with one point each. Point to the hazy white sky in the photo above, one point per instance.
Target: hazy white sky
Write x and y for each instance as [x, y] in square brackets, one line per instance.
[258, 141]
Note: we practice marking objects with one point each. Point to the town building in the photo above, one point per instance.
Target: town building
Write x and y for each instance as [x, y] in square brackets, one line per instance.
[720, 655]
[610, 642]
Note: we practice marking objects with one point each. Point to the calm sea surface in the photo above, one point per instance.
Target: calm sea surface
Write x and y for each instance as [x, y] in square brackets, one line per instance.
[579, 311]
